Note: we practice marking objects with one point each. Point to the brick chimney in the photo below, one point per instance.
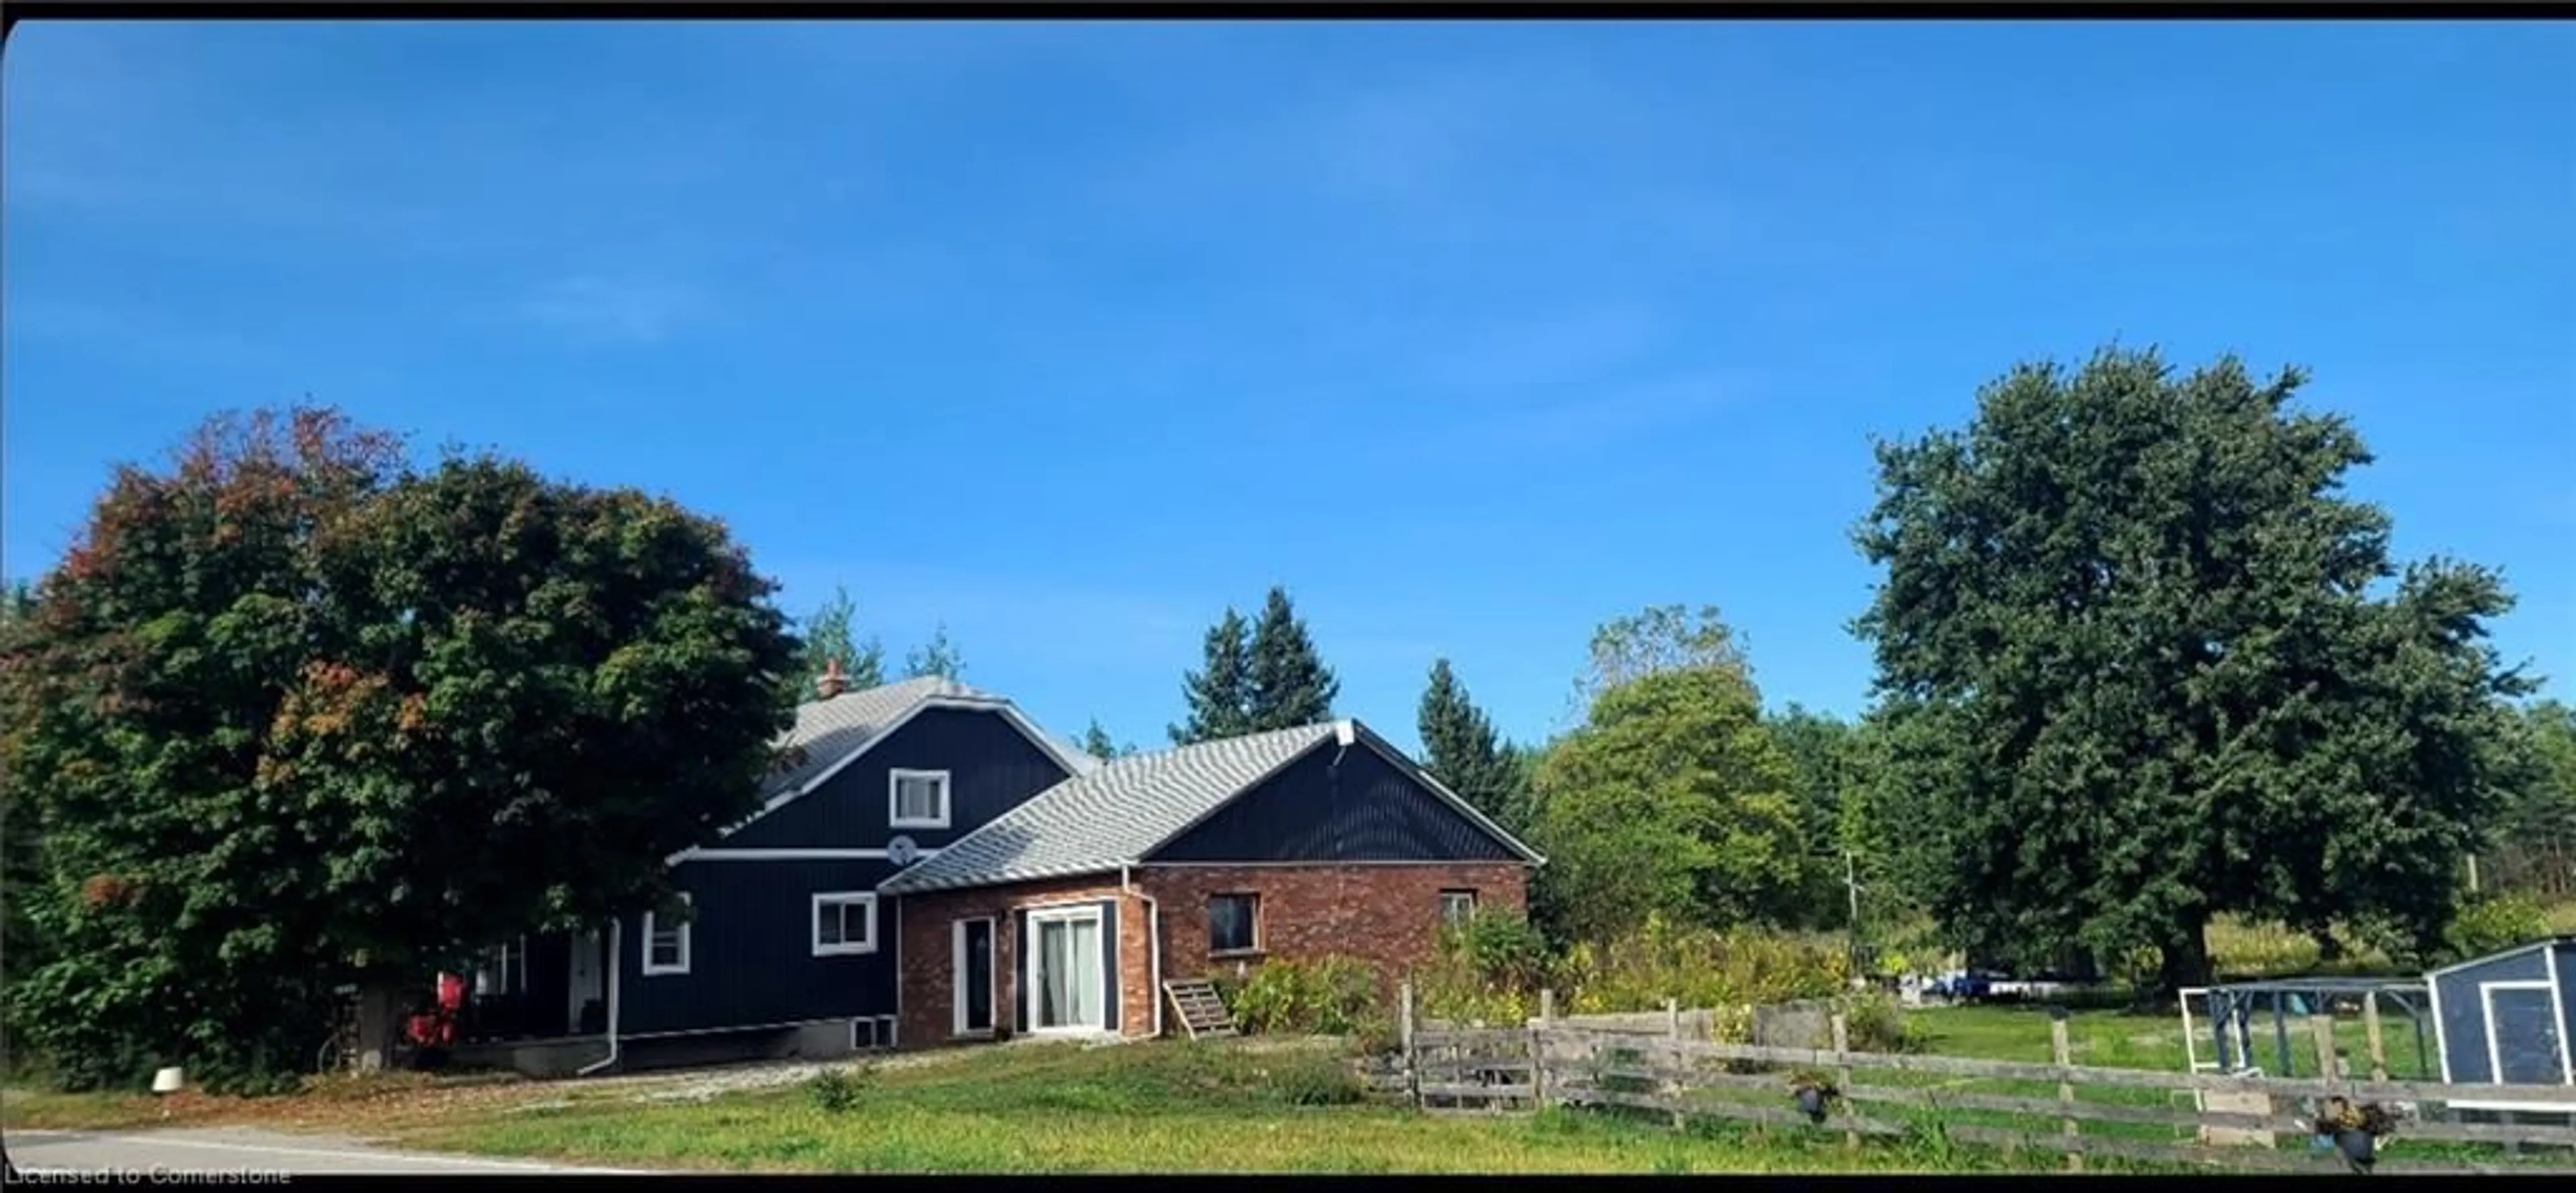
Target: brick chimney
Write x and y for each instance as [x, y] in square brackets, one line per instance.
[831, 682]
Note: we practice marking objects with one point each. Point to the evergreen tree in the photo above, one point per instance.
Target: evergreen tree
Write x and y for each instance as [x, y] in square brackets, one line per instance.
[937, 657]
[831, 632]
[1289, 684]
[1219, 692]
[1097, 743]
[1460, 749]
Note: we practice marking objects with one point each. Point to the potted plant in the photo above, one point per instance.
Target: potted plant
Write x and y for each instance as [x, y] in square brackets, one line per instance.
[1814, 1093]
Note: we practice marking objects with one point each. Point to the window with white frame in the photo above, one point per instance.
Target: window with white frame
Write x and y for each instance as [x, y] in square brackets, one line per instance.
[920, 799]
[845, 922]
[1457, 907]
[666, 944]
[504, 970]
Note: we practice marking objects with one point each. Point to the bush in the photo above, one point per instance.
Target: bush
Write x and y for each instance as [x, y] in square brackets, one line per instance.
[1313, 1080]
[1332, 996]
[834, 1091]
[1875, 1022]
[2492, 923]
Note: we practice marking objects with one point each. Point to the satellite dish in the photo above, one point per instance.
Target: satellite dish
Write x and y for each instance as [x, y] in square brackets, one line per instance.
[901, 851]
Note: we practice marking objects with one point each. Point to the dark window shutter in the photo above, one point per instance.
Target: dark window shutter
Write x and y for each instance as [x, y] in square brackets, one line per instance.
[1109, 965]
[1020, 972]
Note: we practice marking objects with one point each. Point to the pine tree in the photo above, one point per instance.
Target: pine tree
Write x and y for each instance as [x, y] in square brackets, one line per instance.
[1460, 748]
[938, 657]
[831, 632]
[1290, 686]
[1097, 743]
[1219, 693]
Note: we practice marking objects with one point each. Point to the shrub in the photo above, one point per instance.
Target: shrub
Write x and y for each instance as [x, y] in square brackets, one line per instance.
[1875, 1022]
[1313, 1079]
[2491, 923]
[836, 1090]
[1331, 996]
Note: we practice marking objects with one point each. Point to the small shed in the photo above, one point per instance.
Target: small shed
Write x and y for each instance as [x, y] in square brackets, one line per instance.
[2505, 1018]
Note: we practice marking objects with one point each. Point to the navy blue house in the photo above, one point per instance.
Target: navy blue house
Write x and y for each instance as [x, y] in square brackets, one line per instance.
[787, 950]
[2507, 1019]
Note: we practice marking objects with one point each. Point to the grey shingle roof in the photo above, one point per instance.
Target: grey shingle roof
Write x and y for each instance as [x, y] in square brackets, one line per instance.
[1110, 816]
[825, 730]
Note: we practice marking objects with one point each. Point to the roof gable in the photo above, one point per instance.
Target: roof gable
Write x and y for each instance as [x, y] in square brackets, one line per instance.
[1130, 807]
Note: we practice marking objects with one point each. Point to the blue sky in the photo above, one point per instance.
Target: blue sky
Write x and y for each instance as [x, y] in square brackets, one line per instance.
[1474, 336]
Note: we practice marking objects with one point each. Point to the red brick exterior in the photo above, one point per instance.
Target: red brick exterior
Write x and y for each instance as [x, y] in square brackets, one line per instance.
[929, 1012]
[1385, 914]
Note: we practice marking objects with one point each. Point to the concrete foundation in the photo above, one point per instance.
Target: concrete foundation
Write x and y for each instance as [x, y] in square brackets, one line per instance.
[560, 1057]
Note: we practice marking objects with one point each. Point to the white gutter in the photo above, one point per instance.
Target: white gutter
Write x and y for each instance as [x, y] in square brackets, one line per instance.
[1154, 945]
[616, 962]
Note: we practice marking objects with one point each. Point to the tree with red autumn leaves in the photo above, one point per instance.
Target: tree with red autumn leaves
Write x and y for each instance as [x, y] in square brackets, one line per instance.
[295, 714]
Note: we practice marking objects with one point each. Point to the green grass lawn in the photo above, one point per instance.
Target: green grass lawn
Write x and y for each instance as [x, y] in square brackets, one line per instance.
[1155, 1107]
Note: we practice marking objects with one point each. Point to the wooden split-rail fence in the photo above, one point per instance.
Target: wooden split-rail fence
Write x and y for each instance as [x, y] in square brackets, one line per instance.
[1677, 1074]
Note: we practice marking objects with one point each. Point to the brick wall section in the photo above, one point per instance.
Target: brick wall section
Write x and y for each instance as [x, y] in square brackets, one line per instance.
[928, 1016]
[1386, 915]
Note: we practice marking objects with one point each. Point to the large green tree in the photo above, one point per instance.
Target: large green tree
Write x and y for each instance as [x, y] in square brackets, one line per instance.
[831, 632]
[295, 714]
[1461, 749]
[1288, 683]
[1219, 693]
[2531, 842]
[1097, 742]
[1670, 799]
[2140, 656]
[1825, 762]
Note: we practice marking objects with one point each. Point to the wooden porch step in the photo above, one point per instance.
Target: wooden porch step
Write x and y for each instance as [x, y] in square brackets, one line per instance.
[1203, 1012]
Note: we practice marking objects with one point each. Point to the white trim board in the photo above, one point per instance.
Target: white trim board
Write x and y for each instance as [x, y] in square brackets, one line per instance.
[2441, 1038]
[2515, 951]
[1008, 712]
[791, 855]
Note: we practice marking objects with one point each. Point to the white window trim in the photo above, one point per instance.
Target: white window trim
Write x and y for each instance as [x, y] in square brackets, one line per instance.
[1245, 950]
[650, 969]
[1068, 914]
[894, 799]
[2495, 1047]
[1448, 894]
[814, 922]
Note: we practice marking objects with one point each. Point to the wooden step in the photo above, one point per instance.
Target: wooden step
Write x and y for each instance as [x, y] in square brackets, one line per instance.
[1202, 1010]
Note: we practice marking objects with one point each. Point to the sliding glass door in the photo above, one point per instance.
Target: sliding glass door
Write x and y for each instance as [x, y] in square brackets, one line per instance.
[1066, 982]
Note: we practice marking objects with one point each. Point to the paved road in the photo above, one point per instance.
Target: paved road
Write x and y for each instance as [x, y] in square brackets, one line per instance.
[242, 1149]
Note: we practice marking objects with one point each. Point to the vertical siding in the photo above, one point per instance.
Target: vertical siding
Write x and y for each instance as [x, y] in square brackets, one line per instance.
[751, 951]
[992, 769]
[2464, 1022]
[1374, 813]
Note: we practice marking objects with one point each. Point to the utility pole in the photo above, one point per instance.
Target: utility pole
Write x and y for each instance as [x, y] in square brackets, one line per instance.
[1851, 891]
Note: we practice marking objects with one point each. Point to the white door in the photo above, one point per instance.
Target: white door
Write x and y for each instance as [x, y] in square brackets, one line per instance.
[1066, 991]
[587, 979]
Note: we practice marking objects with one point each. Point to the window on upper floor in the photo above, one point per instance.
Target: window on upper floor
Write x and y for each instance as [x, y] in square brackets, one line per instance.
[845, 922]
[666, 944]
[1457, 907]
[1234, 923]
[919, 799]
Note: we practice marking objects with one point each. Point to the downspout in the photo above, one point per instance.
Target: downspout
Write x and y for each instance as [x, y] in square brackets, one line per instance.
[1153, 945]
[616, 963]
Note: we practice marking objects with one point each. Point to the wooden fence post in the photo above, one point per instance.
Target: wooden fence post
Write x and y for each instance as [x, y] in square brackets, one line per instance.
[2065, 1056]
[1404, 1036]
[1842, 1072]
[1538, 1049]
[2370, 1026]
[2321, 1025]
[1675, 1089]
